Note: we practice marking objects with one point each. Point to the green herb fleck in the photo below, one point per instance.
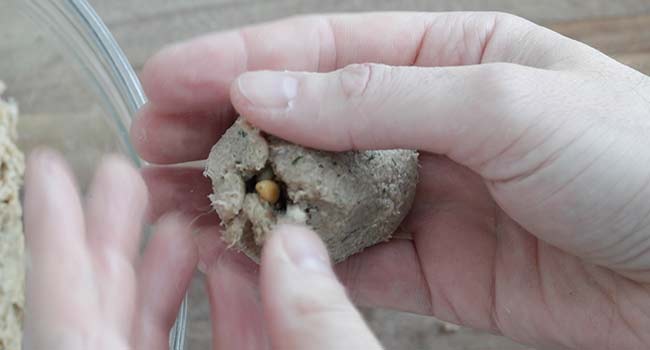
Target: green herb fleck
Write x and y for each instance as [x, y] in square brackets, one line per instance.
[243, 133]
[296, 160]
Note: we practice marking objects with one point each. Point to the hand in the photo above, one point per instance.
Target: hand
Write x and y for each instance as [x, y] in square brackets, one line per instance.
[531, 217]
[87, 290]
[85, 287]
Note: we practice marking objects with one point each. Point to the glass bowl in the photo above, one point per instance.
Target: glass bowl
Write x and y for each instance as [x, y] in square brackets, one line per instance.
[75, 90]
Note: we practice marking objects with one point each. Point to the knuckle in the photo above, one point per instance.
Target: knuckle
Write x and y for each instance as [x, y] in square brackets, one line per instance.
[509, 18]
[508, 89]
[503, 84]
[354, 80]
[358, 81]
[360, 87]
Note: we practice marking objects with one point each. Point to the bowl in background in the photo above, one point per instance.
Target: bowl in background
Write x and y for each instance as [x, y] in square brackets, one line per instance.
[75, 90]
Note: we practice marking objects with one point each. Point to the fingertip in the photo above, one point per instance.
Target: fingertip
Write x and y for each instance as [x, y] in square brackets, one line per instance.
[116, 173]
[53, 216]
[161, 137]
[48, 182]
[174, 222]
[177, 230]
[116, 204]
[122, 165]
[157, 74]
[274, 250]
[156, 135]
[173, 240]
[305, 304]
[165, 274]
[42, 155]
[293, 106]
[194, 75]
[44, 161]
[302, 246]
[166, 78]
[181, 189]
[210, 246]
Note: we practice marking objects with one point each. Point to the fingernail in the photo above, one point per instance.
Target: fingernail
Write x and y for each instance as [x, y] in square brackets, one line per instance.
[268, 89]
[47, 178]
[305, 249]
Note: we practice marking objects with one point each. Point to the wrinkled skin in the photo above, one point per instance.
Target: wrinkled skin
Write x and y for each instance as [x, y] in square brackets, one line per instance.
[531, 219]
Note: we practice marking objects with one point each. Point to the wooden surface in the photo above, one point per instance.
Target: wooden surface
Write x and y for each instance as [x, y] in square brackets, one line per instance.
[625, 38]
[43, 83]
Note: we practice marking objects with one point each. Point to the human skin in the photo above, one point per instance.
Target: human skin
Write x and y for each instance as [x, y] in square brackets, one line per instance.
[85, 287]
[88, 289]
[532, 215]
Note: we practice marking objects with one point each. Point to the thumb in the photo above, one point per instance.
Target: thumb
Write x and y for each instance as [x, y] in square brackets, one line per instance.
[305, 306]
[470, 113]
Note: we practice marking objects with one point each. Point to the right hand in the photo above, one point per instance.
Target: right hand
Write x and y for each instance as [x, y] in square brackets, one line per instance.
[532, 214]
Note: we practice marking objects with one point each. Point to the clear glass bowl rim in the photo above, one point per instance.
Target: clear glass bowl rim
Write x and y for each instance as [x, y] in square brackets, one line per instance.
[79, 29]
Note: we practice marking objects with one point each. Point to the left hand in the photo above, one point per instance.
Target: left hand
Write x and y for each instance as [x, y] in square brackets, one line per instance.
[87, 290]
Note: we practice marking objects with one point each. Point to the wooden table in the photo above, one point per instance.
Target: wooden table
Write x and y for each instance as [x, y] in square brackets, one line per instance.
[618, 27]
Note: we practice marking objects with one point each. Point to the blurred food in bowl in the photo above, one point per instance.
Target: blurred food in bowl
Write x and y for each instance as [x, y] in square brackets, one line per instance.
[12, 167]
